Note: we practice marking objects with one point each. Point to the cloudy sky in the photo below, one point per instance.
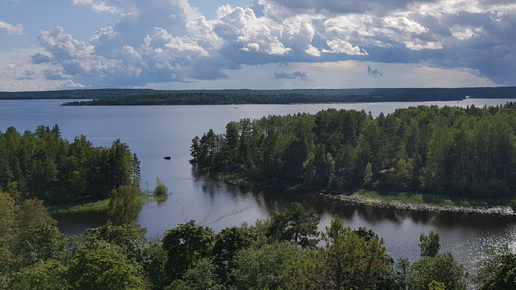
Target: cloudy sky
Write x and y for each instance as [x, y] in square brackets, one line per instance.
[256, 44]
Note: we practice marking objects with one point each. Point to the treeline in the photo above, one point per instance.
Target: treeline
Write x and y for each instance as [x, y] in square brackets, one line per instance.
[278, 253]
[42, 165]
[74, 94]
[221, 97]
[467, 152]
[212, 98]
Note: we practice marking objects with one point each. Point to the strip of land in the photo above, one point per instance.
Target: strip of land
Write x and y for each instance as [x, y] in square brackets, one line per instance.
[358, 199]
[224, 97]
[216, 97]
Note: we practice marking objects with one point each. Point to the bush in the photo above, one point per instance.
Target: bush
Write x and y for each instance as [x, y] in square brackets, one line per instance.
[160, 189]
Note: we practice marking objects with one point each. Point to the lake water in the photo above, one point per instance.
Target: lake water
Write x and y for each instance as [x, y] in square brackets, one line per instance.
[153, 132]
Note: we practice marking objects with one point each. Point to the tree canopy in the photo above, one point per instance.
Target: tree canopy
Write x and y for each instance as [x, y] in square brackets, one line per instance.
[44, 166]
[466, 152]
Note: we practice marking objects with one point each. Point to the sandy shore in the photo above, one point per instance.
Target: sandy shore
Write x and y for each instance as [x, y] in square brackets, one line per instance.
[355, 199]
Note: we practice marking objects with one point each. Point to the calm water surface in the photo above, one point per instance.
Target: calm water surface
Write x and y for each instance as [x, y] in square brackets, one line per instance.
[153, 132]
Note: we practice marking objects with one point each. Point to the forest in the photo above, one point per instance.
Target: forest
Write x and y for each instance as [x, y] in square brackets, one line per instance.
[282, 252]
[74, 94]
[42, 165]
[297, 96]
[467, 152]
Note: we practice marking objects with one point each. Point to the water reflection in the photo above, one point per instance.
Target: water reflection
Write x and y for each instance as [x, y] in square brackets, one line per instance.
[465, 235]
[75, 223]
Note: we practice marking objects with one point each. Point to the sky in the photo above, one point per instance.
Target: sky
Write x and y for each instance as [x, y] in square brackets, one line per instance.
[256, 44]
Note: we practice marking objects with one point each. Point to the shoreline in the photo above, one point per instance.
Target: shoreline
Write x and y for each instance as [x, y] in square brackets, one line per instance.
[358, 200]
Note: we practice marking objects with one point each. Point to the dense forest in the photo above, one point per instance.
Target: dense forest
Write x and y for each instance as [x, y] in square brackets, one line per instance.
[42, 165]
[220, 97]
[278, 253]
[468, 152]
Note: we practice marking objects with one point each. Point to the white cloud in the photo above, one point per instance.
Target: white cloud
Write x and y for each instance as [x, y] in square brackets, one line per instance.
[465, 33]
[18, 73]
[11, 29]
[168, 40]
[98, 6]
[82, 2]
[341, 46]
[102, 7]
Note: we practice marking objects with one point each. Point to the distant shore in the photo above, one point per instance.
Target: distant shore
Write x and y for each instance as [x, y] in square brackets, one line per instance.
[357, 199]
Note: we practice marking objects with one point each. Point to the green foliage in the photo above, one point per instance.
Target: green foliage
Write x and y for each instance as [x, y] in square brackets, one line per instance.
[347, 261]
[101, 206]
[227, 243]
[436, 286]
[104, 269]
[161, 189]
[351, 261]
[28, 234]
[8, 221]
[497, 270]
[130, 241]
[32, 213]
[429, 244]
[402, 271]
[124, 205]
[296, 224]
[441, 267]
[185, 245]
[368, 174]
[201, 277]
[41, 165]
[128, 238]
[261, 268]
[39, 243]
[154, 265]
[48, 275]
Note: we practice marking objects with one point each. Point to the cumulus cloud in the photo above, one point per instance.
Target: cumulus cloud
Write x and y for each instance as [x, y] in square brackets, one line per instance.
[19, 73]
[341, 46]
[295, 75]
[287, 8]
[11, 29]
[40, 58]
[162, 40]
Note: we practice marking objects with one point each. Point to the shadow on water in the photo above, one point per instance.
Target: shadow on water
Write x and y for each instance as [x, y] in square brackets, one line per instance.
[273, 200]
[75, 223]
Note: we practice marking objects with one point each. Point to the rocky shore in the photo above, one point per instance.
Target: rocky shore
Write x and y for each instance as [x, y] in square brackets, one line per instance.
[355, 199]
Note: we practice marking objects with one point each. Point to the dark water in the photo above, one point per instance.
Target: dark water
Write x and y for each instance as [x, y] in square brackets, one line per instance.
[153, 132]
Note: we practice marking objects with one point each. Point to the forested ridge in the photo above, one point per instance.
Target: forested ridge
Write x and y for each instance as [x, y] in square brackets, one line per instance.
[468, 152]
[74, 94]
[297, 96]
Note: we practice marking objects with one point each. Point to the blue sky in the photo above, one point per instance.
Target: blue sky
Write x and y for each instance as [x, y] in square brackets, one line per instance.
[256, 44]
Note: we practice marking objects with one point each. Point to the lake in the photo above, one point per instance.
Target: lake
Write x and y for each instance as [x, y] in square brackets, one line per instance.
[153, 132]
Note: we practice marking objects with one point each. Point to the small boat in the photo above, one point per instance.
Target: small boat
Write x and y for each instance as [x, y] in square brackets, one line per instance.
[167, 157]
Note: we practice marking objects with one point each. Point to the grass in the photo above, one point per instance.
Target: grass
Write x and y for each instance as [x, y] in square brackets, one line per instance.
[432, 199]
[91, 207]
[102, 205]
